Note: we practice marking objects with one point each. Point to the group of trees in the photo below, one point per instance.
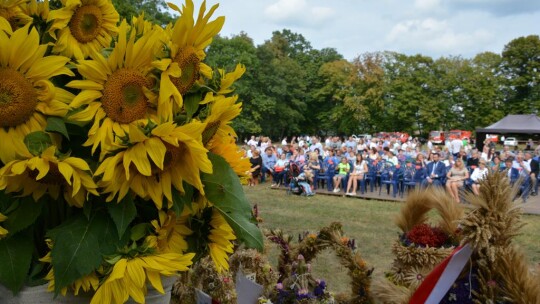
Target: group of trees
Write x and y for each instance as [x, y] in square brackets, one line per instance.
[291, 88]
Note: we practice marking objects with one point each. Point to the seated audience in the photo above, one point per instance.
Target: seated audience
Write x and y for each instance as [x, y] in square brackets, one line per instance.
[455, 179]
[479, 174]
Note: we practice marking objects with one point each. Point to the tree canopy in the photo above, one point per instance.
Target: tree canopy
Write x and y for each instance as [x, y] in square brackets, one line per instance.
[291, 88]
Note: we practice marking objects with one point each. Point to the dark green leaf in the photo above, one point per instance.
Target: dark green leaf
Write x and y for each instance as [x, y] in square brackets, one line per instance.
[87, 210]
[15, 257]
[109, 240]
[76, 250]
[24, 215]
[57, 124]
[37, 142]
[180, 201]
[191, 104]
[224, 190]
[122, 213]
[139, 231]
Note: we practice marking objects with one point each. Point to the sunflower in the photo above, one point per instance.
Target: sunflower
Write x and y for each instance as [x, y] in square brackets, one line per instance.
[3, 231]
[170, 233]
[47, 173]
[116, 91]
[235, 157]
[83, 27]
[26, 93]
[12, 12]
[228, 79]
[220, 239]
[223, 111]
[128, 277]
[188, 39]
[151, 165]
[37, 9]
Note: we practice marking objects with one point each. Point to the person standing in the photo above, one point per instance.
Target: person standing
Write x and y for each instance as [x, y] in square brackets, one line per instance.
[256, 166]
[455, 146]
[531, 166]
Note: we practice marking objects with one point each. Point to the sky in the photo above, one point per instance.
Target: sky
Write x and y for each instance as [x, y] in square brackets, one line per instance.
[433, 28]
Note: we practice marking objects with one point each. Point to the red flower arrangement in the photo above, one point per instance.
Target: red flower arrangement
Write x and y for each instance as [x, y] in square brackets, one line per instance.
[425, 235]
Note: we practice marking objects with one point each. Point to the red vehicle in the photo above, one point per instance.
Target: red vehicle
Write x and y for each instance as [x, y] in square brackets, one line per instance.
[436, 137]
[459, 134]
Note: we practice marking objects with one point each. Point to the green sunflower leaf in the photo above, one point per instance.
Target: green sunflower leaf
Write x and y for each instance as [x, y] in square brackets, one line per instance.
[37, 142]
[57, 124]
[76, 251]
[224, 190]
[191, 104]
[16, 257]
[122, 213]
[180, 201]
[24, 215]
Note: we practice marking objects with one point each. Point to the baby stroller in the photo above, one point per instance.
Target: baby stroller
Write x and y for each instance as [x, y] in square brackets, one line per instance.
[299, 185]
[292, 171]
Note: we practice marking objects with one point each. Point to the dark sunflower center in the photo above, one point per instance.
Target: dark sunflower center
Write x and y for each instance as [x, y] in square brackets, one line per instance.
[123, 96]
[172, 157]
[18, 99]
[85, 23]
[53, 177]
[189, 63]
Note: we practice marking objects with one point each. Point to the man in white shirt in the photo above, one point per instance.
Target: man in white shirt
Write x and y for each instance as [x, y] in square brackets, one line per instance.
[252, 141]
[315, 144]
[455, 146]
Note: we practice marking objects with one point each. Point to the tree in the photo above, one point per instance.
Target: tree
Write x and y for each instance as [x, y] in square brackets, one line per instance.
[154, 10]
[226, 53]
[521, 66]
[410, 97]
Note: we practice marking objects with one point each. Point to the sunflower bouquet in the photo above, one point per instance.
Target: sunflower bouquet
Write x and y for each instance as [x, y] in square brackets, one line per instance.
[118, 162]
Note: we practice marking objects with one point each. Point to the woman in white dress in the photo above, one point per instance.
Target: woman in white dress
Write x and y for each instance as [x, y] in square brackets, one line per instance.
[478, 174]
[359, 170]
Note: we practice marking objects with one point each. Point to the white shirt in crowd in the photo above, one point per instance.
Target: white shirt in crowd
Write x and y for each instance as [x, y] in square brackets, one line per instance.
[455, 145]
[252, 142]
[479, 174]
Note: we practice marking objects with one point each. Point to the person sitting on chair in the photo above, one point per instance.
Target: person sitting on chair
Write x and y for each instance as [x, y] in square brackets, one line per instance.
[477, 175]
[435, 171]
[456, 176]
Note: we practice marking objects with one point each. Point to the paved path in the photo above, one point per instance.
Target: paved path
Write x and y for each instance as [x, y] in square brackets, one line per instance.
[532, 206]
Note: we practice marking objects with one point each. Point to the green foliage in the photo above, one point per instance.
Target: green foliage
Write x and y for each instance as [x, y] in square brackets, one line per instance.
[122, 213]
[291, 88]
[224, 190]
[37, 142]
[15, 257]
[521, 66]
[154, 10]
[56, 124]
[22, 212]
[78, 250]
[182, 200]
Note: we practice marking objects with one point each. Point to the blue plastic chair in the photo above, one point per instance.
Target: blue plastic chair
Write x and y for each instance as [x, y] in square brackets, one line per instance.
[391, 176]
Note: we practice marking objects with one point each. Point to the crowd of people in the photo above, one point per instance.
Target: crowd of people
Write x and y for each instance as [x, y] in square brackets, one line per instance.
[349, 164]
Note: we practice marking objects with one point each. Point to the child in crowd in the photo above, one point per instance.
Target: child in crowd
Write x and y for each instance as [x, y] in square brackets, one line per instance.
[343, 168]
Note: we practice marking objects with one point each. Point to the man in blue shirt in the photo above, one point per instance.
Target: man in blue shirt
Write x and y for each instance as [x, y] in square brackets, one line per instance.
[269, 161]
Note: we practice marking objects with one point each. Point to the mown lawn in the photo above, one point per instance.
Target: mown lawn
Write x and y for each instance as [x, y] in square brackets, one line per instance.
[369, 222]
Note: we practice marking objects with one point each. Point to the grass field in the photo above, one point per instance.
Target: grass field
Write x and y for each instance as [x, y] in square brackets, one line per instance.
[369, 222]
